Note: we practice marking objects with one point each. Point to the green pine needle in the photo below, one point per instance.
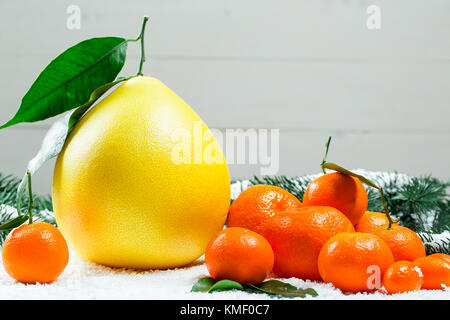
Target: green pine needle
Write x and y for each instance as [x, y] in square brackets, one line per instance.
[427, 198]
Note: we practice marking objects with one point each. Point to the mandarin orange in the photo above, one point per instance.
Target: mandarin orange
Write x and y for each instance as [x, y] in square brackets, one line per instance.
[240, 255]
[255, 205]
[355, 261]
[372, 220]
[297, 236]
[35, 253]
[436, 272]
[404, 243]
[340, 191]
[443, 256]
[402, 276]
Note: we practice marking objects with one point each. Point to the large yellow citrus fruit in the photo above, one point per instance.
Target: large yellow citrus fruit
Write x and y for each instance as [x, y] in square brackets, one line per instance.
[126, 190]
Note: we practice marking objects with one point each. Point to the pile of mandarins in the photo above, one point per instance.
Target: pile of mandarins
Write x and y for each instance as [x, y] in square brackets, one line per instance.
[328, 237]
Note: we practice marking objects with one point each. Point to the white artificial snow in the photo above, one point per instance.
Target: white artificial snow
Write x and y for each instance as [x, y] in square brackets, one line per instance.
[419, 271]
[8, 210]
[86, 280]
[436, 240]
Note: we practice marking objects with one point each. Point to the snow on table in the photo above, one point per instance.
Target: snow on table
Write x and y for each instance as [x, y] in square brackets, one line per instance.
[86, 280]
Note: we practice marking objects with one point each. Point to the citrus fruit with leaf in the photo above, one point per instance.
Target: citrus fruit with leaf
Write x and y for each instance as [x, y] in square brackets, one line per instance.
[35, 252]
[355, 261]
[256, 204]
[134, 186]
[404, 243]
[371, 221]
[240, 255]
[402, 276]
[340, 191]
[297, 236]
[436, 272]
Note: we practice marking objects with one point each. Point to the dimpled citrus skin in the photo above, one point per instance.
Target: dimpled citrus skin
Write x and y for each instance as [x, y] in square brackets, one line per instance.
[443, 256]
[402, 276]
[240, 255]
[345, 258]
[371, 221]
[404, 243]
[118, 196]
[340, 191]
[436, 272]
[297, 236]
[256, 204]
[35, 253]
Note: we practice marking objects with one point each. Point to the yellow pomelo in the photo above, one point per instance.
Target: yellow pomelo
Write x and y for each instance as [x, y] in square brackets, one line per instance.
[120, 196]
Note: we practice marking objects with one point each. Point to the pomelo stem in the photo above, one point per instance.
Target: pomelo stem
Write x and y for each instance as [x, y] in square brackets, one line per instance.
[141, 64]
[141, 38]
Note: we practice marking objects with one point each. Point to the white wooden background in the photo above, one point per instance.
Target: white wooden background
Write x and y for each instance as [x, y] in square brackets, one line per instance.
[308, 67]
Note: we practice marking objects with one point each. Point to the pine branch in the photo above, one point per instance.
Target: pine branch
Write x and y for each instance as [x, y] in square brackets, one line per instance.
[8, 187]
[295, 185]
[433, 245]
[42, 209]
[424, 203]
[8, 192]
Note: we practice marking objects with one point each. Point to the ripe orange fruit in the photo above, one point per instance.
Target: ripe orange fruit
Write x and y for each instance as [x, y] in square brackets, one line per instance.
[402, 276]
[255, 205]
[297, 236]
[372, 220]
[35, 253]
[404, 243]
[340, 191]
[240, 255]
[354, 261]
[443, 256]
[436, 272]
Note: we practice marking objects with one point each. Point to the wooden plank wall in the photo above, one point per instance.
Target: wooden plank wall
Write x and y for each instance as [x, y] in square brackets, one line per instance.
[310, 68]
